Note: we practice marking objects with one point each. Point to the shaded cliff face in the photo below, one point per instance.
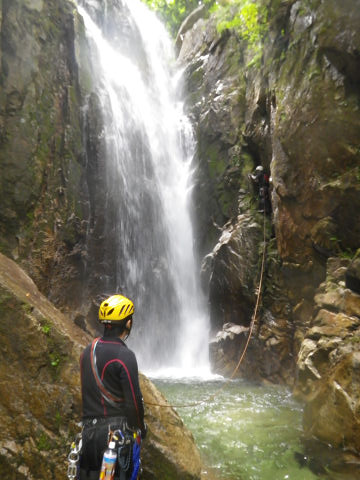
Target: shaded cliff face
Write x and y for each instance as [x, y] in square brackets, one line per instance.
[296, 112]
[52, 186]
[43, 191]
[315, 162]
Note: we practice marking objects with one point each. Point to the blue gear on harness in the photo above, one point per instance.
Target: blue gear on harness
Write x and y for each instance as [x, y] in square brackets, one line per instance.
[128, 448]
[136, 457]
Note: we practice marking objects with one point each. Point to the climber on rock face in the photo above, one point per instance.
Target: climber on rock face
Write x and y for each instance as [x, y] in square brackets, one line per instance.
[261, 181]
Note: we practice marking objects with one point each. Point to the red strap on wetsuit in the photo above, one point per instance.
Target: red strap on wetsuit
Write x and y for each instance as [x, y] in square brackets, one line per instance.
[106, 394]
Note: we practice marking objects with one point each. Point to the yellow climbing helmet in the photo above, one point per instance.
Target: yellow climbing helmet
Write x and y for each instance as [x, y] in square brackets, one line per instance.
[115, 308]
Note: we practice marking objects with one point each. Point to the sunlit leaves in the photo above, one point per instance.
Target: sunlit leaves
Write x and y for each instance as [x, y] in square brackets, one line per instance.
[246, 17]
[174, 12]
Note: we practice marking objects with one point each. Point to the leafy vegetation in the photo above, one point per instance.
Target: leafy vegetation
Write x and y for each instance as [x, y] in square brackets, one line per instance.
[43, 442]
[247, 18]
[174, 12]
[46, 328]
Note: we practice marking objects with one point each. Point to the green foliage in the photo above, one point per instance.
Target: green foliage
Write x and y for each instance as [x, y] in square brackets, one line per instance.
[46, 328]
[248, 19]
[27, 308]
[174, 12]
[43, 442]
[54, 359]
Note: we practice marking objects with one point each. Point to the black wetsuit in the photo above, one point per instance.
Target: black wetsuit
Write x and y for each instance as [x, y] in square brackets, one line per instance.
[261, 181]
[117, 368]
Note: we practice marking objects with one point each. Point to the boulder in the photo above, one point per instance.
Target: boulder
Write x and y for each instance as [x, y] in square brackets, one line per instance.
[226, 347]
[229, 272]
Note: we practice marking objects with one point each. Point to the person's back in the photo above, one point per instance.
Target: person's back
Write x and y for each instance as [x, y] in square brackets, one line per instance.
[111, 396]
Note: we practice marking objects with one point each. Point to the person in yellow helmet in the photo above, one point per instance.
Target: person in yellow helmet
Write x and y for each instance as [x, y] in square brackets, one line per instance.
[112, 403]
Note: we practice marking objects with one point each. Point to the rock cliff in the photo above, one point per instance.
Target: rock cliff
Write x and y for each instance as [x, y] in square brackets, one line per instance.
[43, 193]
[52, 218]
[290, 104]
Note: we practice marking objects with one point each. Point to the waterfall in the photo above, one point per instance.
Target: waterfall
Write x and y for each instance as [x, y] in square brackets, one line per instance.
[149, 145]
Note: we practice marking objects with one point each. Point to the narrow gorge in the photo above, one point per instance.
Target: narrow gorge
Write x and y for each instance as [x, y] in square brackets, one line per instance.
[127, 167]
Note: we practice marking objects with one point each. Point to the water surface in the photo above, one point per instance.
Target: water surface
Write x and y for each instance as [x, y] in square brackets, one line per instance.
[247, 432]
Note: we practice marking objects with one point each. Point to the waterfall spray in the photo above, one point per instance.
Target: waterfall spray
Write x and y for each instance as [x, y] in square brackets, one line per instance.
[149, 146]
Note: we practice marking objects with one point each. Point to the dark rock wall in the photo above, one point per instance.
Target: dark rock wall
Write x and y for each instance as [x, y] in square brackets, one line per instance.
[315, 122]
[43, 189]
[53, 178]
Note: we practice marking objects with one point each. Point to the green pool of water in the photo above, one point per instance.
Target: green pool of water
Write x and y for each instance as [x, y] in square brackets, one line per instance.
[247, 432]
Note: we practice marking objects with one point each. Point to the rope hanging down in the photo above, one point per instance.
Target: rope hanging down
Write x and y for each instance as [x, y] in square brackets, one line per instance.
[251, 328]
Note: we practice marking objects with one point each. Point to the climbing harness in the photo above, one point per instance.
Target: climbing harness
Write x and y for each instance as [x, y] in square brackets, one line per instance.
[74, 457]
[251, 328]
[127, 446]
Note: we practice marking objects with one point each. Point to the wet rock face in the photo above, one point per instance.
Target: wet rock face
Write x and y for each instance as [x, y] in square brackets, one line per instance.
[42, 193]
[230, 271]
[315, 122]
[216, 97]
[40, 392]
[329, 363]
[53, 181]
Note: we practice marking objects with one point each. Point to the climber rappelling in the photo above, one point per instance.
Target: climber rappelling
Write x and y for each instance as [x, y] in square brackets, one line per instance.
[261, 182]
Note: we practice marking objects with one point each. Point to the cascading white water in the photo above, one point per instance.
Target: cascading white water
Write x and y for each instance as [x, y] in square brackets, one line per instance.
[148, 145]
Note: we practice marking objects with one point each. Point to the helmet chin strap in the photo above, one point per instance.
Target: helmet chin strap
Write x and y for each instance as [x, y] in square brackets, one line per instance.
[128, 330]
